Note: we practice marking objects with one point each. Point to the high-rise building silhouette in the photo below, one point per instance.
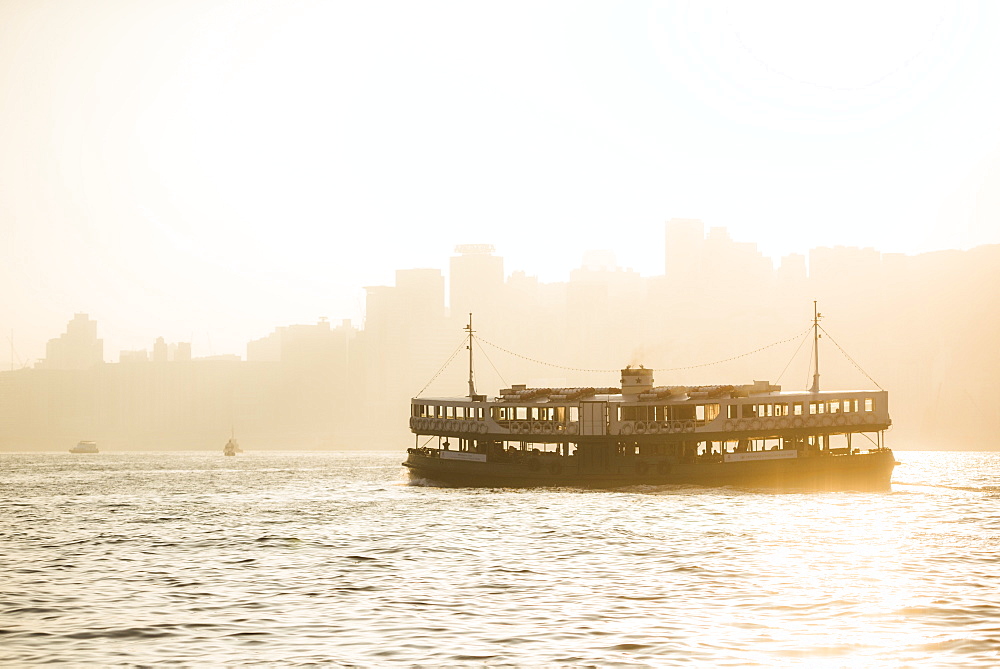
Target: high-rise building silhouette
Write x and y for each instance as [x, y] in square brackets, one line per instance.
[77, 348]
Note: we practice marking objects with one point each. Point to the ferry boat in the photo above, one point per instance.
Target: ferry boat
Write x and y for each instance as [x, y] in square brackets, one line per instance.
[749, 435]
[85, 447]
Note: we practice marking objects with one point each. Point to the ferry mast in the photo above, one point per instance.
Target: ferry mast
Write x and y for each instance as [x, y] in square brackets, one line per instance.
[816, 317]
[472, 384]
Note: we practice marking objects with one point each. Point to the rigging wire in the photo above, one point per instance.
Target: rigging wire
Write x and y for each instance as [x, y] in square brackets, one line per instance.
[444, 366]
[850, 358]
[737, 357]
[547, 364]
[663, 369]
[483, 351]
[809, 368]
[797, 349]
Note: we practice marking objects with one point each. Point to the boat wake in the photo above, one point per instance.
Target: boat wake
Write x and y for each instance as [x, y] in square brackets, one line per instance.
[988, 489]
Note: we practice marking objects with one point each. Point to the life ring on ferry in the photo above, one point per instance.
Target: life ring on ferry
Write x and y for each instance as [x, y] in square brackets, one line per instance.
[626, 428]
[640, 427]
[730, 425]
[755, 424]
[653, 427]
[689, 426]
[535, 427]
[524, 427]
[856, 419]
[827, 420]
[548, 428]
[798, 422]
[841, 419]
[482, 428]
[676, 426]
[572, 428]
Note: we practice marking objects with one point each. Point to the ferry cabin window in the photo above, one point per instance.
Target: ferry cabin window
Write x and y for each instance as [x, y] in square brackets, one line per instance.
[574, 414]
[797, 408]
[869, 404]
[855, 403]
[835, 406]
[813, 408]
[521, 413]
[731, 411]
[749, 410]
[636, 413]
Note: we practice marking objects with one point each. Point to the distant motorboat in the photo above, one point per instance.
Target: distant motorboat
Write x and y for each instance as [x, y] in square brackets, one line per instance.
[231, 447]
[85, 447]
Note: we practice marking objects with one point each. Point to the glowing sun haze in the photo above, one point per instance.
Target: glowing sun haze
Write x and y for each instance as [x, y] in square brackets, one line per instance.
[208, 170]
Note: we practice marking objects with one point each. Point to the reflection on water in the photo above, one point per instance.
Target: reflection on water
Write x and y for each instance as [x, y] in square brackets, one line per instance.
[334, 558]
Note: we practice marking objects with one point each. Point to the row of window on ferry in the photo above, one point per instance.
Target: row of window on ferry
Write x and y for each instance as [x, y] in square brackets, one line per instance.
[559, 414]
[801, 408]
[704, 413]
[698, 412]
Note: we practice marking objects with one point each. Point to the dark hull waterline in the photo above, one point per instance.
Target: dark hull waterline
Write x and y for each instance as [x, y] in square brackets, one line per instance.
[870, 471]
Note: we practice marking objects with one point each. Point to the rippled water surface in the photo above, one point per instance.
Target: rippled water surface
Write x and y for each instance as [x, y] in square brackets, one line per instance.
[334, 559]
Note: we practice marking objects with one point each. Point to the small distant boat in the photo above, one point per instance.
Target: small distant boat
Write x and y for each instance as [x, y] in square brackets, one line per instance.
[85, 447]
[231, 447]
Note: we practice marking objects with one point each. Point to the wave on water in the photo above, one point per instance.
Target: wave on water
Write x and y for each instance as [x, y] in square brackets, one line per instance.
[333, 559]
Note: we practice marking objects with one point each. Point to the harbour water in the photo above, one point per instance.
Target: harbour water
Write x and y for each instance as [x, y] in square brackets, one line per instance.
[336, 559]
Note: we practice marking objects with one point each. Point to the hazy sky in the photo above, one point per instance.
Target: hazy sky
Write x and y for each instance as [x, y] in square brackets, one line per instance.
[208, 170]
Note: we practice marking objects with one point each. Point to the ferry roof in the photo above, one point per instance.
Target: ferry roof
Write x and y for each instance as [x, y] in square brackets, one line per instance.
[525, 395]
